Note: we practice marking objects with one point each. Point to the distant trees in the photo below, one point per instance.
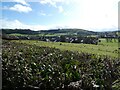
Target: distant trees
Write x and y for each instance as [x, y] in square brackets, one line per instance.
[62, 38]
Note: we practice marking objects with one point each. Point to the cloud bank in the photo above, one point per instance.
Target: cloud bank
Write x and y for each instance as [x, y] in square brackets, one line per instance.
[19, 25]
[20, 8]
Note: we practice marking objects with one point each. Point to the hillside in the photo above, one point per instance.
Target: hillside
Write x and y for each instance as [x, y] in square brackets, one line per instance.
[53, 31]
[59, 32]
[70, 31]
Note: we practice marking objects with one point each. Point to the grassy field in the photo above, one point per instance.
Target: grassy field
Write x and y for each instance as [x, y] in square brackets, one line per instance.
[16, 34]
[103, 48]
[57, 34]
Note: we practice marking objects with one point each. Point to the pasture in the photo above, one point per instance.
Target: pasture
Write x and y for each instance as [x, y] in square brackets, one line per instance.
[103, 48]
[43, 34]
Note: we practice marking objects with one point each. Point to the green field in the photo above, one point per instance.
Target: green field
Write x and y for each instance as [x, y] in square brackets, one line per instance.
[42, 34]
[103, 48]
[16, 34]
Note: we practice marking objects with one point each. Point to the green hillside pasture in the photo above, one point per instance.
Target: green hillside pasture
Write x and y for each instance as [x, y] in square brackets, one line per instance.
[41, 34]
[17, 34]
[103, 48]
[53, 34]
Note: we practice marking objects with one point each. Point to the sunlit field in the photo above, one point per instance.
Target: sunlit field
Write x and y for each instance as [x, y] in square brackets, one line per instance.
[103, 48]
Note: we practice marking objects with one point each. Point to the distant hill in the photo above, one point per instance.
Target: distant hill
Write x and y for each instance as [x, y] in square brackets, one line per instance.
[18, 31]
[81, 32]
[69, 32]
[52, 31]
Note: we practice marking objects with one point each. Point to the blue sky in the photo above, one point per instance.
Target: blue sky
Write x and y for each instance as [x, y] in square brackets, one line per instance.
[92, 15]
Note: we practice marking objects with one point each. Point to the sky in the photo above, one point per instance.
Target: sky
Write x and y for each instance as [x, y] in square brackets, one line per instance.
[93, 15]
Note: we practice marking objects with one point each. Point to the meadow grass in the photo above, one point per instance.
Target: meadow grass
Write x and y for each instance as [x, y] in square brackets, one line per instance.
[16, 34]
[103, 48]
[41, 34]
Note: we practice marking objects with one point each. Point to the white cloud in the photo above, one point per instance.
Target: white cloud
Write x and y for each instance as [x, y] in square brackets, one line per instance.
[54, 3]
[21, 8]
[60, 9]
[42, 13]
[23, 2]
[48, 2]
[74, 24]
[17, 24]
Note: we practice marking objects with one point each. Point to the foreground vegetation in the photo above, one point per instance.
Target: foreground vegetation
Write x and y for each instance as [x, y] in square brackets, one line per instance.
[46, 68]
